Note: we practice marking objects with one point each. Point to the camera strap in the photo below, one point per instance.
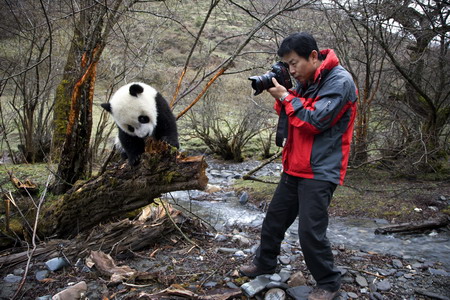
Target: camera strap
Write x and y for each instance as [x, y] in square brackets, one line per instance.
[282, 128]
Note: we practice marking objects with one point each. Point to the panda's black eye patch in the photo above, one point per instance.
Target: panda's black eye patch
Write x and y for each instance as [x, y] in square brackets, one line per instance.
[130, 128]
[143, 119]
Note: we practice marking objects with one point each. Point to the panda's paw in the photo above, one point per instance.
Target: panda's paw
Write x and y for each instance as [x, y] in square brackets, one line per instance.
[133, 161]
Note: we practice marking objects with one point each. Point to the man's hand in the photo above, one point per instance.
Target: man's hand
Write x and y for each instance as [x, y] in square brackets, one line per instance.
[278, 90]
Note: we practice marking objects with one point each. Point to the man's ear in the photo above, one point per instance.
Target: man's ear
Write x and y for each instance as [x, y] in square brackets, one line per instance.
[106, 106]
[314, 55]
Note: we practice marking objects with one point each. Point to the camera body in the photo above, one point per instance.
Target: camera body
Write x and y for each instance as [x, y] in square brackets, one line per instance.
[279, 70]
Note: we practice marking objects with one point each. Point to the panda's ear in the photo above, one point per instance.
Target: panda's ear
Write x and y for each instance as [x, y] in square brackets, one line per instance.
[106, 106]
[136, 89]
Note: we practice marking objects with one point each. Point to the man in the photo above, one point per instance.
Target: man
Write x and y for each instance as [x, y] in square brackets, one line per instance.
[315, 129]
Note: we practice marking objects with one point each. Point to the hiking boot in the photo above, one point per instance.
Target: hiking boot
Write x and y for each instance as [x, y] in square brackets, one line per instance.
[252, 271]
[321, 294]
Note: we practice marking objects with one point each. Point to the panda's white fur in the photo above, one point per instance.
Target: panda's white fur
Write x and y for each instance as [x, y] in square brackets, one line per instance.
[143, 104]
[139, 112]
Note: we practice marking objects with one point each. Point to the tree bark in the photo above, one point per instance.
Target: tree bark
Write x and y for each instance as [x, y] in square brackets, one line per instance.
[122, 189]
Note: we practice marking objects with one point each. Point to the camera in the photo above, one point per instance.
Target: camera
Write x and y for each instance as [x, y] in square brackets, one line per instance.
[279, 70]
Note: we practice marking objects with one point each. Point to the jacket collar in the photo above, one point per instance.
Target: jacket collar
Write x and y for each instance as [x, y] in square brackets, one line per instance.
[327, 65]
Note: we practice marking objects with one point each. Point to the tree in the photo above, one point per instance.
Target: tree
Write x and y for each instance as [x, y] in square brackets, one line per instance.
[93, 25]
[27, 74]
[414, 35]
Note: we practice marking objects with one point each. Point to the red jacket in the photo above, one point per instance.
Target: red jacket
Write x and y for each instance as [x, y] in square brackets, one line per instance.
[320, 120]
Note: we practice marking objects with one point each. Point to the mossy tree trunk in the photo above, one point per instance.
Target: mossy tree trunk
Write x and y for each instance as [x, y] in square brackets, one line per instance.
[120, 189]
[76, 91]
[123, 189]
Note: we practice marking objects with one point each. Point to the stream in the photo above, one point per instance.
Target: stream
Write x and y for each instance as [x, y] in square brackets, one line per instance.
[223, 209]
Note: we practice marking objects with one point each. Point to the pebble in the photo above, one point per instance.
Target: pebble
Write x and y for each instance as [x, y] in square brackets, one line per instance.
[255, 286]
[384, 285]
[275, 277]
[285, 260]
[297, 279]
[275, 294]
[56, 263]
[41, 275]
[352, 295]
[12, 278]
[361, 281]
[397, 263]
[277, 284]
[243, 199]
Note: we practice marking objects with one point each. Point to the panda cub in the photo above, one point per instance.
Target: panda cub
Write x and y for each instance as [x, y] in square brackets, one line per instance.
[139, 111]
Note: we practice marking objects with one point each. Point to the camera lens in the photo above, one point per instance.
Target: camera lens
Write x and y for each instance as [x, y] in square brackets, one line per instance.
[261, 83]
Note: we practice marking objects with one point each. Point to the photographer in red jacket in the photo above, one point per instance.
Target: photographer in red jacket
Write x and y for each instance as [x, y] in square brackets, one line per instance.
[315, 129]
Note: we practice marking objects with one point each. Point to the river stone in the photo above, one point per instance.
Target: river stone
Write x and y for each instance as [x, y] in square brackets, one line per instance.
[284, 275]
[255, 286]
[299, 292]
[12, 278]
[275, 294]
[438, 272]
[352, 295]
[384, 285]
[241, 240]
[397, 263]
[56, 263]
[361, 281]
[18, 272]
[277, 284]
[41, 275]
[275, 277]
[285, 260]
[297, 279]
[243, 199]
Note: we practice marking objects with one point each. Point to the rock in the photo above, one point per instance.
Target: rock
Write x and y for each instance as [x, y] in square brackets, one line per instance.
[212, 188]
[220, 238]
[299, 292]
[231, 285]
[275, 277]
[384, 285]
[243, 199]
[46, 297]
[255, 286]
[361, 281]
[397, 263]
[210, 284]
[352, 295]
[241, 240]
[275, 294]
[41, 275]
[239, 253]
[227, 250]
[277, 284]
[297, 279]
[18, 272]
[285, 260]
[284, 275]
[56, 263]
[76, 291]
[12, 278]
[438, 272]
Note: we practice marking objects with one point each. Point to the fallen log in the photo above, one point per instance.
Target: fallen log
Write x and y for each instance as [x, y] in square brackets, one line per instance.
[123, 188]
[414, 227]
[115, 237]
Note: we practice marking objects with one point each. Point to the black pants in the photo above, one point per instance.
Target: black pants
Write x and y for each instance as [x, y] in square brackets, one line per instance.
[309, 200]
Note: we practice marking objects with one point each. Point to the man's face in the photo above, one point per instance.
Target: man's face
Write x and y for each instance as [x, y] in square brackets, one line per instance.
[300, 68]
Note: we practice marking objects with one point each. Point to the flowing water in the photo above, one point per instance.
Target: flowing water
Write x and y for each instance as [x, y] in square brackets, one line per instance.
[223, 209]
[358, 234]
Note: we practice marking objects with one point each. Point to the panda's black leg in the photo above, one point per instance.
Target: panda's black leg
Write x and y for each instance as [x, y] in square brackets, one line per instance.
[133, 147]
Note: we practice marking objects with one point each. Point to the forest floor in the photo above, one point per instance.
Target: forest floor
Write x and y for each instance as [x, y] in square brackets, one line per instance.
[209, 270]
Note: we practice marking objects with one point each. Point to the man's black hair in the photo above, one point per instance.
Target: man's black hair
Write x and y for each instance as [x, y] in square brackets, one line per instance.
[301, 43]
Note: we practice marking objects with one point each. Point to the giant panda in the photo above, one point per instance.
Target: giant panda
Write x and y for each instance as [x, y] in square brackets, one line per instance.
[139, 111]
